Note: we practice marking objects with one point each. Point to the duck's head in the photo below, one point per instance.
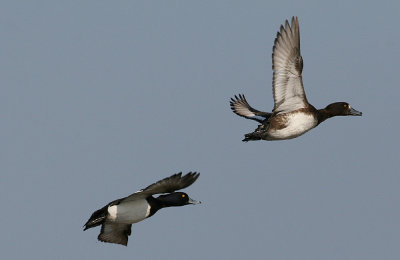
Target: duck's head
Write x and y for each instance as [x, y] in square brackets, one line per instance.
[342, 109]
[176, 199]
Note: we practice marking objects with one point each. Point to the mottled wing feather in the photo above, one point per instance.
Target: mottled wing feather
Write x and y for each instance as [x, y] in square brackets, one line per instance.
[167, 185]
[287, 64]
[241, 107]
[116, 233]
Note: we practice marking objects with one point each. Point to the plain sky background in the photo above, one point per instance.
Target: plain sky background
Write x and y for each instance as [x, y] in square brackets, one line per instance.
[102, 98]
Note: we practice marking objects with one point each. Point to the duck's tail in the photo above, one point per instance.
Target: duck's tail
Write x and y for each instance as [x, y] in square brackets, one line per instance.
[97, 218]
[252, 136]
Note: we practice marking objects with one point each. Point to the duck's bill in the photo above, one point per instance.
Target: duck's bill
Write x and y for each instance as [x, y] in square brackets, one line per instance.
[191, 201]
[354, 112]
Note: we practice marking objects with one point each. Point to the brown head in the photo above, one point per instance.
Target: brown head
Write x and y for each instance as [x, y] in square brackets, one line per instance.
[342, 109]
[337, 109]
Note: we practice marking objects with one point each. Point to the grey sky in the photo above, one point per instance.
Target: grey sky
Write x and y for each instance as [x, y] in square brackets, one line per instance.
[99, 99]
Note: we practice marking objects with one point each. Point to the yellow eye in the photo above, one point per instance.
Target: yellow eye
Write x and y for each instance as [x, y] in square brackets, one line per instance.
[183, 195]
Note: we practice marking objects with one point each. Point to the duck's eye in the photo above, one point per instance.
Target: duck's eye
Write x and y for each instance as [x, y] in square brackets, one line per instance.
[345, 105]
[183, 195]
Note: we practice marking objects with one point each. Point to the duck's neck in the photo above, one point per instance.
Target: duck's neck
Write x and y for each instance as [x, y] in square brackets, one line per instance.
[158, 203]
[155, 205]
[323, 114]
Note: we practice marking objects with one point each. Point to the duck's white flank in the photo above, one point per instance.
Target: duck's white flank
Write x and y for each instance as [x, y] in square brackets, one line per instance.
[129, 212]
[298, 124]
[112, 211]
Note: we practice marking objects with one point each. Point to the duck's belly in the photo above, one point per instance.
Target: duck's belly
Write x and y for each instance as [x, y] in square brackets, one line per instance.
[297, 125]
[129, 212]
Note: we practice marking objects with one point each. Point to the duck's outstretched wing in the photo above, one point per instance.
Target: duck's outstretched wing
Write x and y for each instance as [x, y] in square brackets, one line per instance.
[167, 185]
[287, 64]
[240, 107]
[116, 233]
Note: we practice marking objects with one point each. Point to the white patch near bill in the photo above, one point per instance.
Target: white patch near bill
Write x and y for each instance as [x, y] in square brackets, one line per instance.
[298, 124]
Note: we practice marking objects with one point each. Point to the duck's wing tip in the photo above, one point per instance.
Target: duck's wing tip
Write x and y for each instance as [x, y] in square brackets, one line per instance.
[287, 65]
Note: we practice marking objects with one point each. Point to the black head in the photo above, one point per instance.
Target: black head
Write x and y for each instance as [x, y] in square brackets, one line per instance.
[176, 199]
[342, 109]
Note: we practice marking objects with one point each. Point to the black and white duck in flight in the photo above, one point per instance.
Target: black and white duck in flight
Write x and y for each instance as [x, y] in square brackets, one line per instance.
[117, 217]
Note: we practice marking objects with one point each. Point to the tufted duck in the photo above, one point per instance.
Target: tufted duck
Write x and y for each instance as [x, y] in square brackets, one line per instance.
[117, 217]
[292, 115]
